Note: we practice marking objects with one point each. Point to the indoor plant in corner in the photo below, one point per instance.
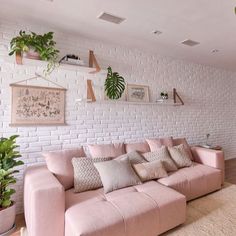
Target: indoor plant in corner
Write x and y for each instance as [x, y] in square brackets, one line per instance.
[114, 84]
[35, 46]
[8, 162]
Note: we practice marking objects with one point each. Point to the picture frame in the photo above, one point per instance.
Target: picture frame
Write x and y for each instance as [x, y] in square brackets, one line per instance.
[137, 93]
[36, 105]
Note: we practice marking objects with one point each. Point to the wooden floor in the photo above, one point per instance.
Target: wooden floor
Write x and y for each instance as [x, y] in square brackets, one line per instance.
[230, 176]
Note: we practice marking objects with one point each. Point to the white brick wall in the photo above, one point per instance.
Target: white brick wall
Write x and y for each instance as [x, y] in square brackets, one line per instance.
[209, 95]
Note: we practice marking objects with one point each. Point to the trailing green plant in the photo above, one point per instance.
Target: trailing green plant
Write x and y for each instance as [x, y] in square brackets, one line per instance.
[44, 45]
[8, 160]
[114, 84]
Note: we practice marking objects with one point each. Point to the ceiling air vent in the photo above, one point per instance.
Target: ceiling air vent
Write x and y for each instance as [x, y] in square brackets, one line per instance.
[190, 43]
[110, 18]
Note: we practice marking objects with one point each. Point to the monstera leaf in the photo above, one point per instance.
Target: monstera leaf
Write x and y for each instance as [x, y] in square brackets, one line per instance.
[114, 84]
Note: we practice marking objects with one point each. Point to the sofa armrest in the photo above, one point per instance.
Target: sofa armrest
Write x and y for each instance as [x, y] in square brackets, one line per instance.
[209, 157]
[44, 202]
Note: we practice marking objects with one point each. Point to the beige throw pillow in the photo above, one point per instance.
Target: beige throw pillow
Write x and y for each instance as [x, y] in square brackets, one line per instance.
[116, 174]
[86, 176]
[180, 156]
[134, 158]
[163, 155]
[150, 170]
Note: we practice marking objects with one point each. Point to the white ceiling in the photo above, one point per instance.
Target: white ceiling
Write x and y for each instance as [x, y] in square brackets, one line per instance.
[210, 22]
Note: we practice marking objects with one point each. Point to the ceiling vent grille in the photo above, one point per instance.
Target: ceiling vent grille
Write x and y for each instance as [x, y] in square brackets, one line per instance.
[110, 18]
[190, 43]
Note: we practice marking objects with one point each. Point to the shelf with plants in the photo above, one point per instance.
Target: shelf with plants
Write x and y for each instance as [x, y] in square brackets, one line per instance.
[35, 49]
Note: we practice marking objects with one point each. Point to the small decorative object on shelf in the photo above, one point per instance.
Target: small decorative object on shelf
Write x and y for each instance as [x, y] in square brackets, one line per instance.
[210, 146]
[8, 161]
[137, 93]
[114, 84]
[35, 46]
[71, 60]
[164, 95]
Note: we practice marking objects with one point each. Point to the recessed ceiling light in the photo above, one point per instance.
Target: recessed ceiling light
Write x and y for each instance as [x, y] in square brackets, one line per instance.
[156, 32]
[111, 18]
[214, 51]
[190, 42]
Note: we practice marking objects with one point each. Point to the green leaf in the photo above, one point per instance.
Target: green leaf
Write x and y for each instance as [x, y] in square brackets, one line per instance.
[114, 84]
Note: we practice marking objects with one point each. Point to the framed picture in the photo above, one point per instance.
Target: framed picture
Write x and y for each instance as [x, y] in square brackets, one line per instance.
[35, 105]
[137, 93]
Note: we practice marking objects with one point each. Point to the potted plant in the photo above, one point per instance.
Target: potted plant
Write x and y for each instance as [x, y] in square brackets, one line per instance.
[8, 161]
[164, 95]
[35, 46]
[114, 84]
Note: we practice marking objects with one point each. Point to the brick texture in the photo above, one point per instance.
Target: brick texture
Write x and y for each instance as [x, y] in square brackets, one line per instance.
[209, 96]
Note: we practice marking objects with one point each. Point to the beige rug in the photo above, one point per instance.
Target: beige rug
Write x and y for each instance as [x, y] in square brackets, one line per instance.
[212, 215]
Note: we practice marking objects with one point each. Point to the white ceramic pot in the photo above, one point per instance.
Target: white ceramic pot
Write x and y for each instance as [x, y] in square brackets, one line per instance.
[7, 218]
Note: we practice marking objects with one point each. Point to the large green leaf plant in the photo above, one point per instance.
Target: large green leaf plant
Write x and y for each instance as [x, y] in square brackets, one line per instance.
[114, 84]
[8, 161]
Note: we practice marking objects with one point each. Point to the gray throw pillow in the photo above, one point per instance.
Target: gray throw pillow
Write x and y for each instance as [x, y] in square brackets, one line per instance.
[163, 155]
[134, 158]
[180, 156]
[116, 174]
[86, 176]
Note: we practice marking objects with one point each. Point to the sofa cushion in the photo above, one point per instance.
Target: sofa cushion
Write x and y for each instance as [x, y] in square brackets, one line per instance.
[86, 176]
[59, 163]
[134, 158]
[144, 210]
[180, 156]
[150, 170]
[163, 155]
[178, 141]
[116, 174]
[139, 147]
[106, 150]
[156, 143]
[194, 181]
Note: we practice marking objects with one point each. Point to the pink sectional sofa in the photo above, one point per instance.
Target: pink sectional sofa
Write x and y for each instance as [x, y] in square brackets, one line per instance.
[148, 209]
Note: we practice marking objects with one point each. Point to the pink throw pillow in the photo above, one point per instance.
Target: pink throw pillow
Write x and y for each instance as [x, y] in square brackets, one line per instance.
[59, 163]
[106, 150]
[155, 144]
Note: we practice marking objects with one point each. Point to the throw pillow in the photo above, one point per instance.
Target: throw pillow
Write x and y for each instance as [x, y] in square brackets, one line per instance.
[178, 141]
[59, 163]
[116, 174]
[163, 155]
[180, 156]
[106, 150]
[150, 170]
[86, 176]
[155, 144]
[134, 158]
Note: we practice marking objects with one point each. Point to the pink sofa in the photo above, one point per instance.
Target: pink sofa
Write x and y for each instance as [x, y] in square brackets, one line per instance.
[148, 209]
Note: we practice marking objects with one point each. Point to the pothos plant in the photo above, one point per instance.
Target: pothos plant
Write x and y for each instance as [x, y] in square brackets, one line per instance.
[8, 161]
[44, 45]
[114, 84]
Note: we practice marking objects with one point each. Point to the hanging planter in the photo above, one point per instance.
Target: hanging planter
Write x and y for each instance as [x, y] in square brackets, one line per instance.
[35, 46]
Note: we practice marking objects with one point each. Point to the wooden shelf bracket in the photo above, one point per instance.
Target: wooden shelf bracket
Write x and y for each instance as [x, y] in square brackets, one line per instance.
[93, 61]
[176, 95]
[90, 93]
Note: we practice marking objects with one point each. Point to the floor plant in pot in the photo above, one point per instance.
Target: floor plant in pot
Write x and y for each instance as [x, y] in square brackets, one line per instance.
[35, 46]
[8, 161]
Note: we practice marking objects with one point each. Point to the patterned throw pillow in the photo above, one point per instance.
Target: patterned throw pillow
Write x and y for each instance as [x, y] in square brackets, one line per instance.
[180, 156]
[134, 158]
[86, 176]
[163, 155]
[150, 170]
